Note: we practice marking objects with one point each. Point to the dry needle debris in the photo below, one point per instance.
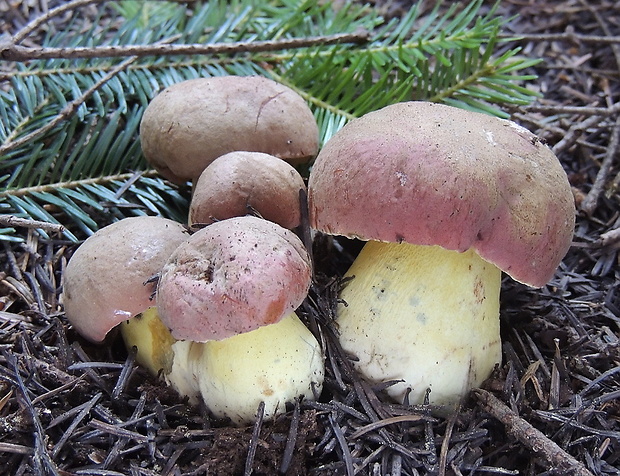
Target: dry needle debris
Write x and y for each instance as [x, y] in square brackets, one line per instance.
[553, 407]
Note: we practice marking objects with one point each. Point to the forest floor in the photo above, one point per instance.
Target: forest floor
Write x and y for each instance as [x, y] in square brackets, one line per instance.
[553, 407]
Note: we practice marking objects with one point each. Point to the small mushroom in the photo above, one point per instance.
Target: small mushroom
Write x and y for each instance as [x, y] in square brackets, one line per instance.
[239, 182]
[106, 279]
[191, 123]
[446, 198]
[232, 289]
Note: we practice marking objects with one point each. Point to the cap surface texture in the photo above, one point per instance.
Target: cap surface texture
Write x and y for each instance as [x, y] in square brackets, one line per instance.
[237, 182]
[191, 123]
[104, 282]
[231, 277]
[432, 174]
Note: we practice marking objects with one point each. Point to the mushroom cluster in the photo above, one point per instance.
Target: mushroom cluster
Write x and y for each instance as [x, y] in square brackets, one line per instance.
[211, 307]
[446, 200]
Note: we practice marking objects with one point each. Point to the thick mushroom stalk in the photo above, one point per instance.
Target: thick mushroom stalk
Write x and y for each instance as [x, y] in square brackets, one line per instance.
[152, 340]
[274, 364]
[435, 337]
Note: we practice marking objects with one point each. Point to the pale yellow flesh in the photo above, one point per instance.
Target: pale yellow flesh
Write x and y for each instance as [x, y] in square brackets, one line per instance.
[160, 353]
[151, 338]
[274, 364]
[422, 314]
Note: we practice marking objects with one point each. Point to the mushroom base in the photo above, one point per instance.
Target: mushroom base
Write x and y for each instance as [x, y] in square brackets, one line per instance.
[424, 315]
[274, 364]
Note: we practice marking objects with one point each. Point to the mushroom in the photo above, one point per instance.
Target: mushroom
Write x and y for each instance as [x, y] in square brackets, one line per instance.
[446, 198]
[238, 182]
[232, 289]
[191, 123]
[105, 281]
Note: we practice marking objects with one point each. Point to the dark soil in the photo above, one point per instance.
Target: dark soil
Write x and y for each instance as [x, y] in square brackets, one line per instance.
[67, 407]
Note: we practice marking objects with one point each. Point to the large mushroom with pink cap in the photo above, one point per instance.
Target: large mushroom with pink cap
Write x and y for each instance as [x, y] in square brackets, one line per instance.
[446, 199]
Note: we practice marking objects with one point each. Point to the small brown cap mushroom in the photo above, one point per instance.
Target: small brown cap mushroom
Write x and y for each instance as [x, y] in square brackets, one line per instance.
[104, 281]
[232, 277]
[430, 174]
[235, 183]
[191, 123]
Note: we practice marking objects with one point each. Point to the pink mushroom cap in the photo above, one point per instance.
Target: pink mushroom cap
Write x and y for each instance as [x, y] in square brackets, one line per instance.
[104, 281]
[431, 174]
[232, 277]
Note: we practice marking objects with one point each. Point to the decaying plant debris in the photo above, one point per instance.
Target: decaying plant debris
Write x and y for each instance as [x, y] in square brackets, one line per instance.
[67, 407]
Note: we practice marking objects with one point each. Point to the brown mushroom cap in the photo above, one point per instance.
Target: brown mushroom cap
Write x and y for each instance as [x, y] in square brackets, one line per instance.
[238, 181]
[231, 277]
[191, 123]
[104, 282]
[431, 174]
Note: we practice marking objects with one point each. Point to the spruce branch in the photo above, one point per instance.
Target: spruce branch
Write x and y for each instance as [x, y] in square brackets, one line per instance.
[129, 178]
[568, 36]
[70, 114]
[66, 111]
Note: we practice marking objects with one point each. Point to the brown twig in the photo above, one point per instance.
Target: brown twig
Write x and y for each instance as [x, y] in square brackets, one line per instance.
[531, 437]
[381, 423]
[609, 238]
[258, 424]
[12, 52]
[580, 110]
[43, 19]
[11, 221]
[574, 37]
[615, 45]
[445, 444]
[572, 135]
[590, 201]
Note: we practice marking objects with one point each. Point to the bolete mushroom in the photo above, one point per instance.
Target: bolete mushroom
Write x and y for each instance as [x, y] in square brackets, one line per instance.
[191, 123]
[446, 198]
[237, 182]
[232, 289]
[105, 281]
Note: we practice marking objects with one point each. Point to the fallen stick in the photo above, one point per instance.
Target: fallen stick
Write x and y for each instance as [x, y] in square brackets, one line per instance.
[9, 220]
[530, 437]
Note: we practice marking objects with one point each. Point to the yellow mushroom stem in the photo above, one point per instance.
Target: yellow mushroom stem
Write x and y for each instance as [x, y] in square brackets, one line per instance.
[274, 364]
[423, 314]
[160, 353]
[152, 340]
